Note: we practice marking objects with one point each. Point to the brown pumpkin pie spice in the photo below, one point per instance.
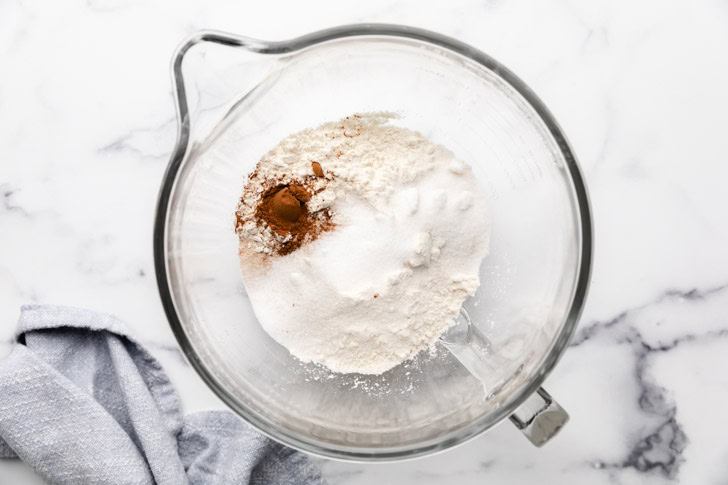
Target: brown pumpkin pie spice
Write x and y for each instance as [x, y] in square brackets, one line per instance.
[274, 214]
[283, 209]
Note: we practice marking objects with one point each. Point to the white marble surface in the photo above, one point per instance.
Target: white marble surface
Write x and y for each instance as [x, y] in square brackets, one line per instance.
[87, 125]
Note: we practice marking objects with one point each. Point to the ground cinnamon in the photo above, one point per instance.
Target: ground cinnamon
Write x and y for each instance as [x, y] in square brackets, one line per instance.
[283, 209]
[285, 206]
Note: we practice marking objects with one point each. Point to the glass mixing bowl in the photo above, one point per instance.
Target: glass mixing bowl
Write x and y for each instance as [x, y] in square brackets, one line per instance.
[236, 98]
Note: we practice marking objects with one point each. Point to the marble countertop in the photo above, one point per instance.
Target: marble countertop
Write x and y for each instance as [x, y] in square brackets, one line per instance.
[87, 125]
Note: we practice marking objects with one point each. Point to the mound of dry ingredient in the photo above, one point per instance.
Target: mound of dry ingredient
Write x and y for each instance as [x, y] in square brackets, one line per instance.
[359, 242]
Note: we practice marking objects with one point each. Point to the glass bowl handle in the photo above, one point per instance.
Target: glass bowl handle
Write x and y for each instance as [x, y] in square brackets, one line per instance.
[539, 417]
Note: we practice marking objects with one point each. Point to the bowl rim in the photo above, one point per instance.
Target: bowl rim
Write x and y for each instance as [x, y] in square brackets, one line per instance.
[179, 155]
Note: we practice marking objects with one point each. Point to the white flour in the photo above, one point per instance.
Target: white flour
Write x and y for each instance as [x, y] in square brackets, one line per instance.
[411, 232]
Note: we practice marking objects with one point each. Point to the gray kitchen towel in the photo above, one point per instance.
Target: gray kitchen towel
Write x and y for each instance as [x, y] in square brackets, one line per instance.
[83, 403]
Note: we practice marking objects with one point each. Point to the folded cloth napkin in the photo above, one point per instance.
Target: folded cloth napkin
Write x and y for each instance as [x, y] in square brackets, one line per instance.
[83, 403]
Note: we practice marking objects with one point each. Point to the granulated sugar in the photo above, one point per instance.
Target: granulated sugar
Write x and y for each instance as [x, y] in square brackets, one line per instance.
[408, 231]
